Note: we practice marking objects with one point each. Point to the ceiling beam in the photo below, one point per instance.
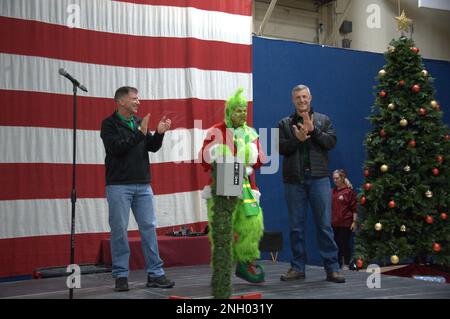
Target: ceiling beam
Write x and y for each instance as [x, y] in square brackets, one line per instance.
[267, 16]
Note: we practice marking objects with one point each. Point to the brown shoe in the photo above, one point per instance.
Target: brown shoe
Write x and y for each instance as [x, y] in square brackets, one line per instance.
[292, 275]
[335, 277]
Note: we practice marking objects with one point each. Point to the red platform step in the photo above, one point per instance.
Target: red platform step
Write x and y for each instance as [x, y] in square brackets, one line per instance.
[174, 251]
[256, 295]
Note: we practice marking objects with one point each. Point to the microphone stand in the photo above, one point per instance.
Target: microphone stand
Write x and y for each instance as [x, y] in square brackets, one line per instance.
[73, 194]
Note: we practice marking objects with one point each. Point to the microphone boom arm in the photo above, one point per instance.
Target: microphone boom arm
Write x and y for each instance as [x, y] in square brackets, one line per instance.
[74, 81]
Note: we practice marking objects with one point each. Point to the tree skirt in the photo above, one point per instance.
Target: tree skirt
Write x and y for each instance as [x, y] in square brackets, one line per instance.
[419, 270]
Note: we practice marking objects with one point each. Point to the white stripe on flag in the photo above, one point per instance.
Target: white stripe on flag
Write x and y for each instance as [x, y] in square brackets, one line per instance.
[25, 218]
[29, 73]
[51, 145]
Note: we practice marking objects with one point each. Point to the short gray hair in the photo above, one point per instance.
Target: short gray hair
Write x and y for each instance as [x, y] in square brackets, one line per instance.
[300, 87]
[123, 91]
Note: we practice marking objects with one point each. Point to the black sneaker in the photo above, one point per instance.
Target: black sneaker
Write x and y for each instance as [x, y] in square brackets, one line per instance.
[121, 284]
[159, 282]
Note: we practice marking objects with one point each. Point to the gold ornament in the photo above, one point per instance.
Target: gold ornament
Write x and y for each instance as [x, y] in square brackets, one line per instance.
[403, 122]
[391, 49]
[407, 168]
[433, 104]
[382, 72]
[378, 226]
[428, 194]
[394, 259]
[384, 168]
[403, 22]
[403, 228]
[391, 106]
[424, 72]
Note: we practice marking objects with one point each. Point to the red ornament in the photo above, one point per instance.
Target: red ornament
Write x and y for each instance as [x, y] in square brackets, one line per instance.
[440, 159]
[415, 88]
[436, 247]
[391, 204]
[366, 172]
[382, 94]
[415, 50]
[367, 186]
[362, 227]
[359, 263]
[362, 200]
[382, 133]
[447, 137]
[443, 216]
[429, 219]
[412, 143]
[422, 111]
[437, 107]
[401, 83]
[435, 171]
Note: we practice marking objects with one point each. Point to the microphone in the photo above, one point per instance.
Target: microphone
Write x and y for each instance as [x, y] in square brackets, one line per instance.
[75, 82]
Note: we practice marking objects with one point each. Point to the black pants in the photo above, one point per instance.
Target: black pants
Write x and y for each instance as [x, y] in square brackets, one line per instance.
[342, 236]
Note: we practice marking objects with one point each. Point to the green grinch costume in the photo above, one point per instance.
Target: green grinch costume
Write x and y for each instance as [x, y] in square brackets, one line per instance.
[233, 137]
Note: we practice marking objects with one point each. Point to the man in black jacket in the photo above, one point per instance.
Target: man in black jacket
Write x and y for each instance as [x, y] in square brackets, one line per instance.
[305, 139]
[127, 142]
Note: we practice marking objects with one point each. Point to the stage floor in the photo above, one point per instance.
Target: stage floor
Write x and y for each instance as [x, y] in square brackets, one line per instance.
[194, 282]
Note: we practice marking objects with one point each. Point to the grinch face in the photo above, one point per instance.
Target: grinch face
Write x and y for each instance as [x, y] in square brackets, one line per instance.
[239, 116]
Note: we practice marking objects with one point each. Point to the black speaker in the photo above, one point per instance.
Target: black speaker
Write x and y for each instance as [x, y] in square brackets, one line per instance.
[346, 27]
[272, 241]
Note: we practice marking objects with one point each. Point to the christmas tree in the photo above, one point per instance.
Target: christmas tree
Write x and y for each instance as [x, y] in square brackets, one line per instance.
[406, 192]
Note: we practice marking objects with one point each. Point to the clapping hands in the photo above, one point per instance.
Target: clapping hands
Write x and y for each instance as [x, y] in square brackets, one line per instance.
[301, 132]
[163, 125]
[307, 121]
[143, 127]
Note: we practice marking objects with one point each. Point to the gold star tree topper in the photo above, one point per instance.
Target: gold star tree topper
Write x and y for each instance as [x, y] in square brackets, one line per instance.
[403, 22]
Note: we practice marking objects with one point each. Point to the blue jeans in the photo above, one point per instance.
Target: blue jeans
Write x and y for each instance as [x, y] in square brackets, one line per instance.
[138, 197]
[317, 192]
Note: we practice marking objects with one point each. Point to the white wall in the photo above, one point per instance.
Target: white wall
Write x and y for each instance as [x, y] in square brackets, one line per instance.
[431, 26]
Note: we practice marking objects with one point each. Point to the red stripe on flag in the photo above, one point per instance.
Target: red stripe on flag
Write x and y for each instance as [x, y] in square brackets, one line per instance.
[228, 6]
[39, 109]
[41, 181]
[33, 38]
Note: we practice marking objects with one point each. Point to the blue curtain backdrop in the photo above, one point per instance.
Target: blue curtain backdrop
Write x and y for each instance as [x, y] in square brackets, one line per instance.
[341, 82]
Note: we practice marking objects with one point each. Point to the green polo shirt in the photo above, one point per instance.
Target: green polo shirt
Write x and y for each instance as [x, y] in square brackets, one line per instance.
[129, 122]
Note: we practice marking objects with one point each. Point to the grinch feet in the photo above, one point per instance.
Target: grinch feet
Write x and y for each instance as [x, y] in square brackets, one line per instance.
[250, 272]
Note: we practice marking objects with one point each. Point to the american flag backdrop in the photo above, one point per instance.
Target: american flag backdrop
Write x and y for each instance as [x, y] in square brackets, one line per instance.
[186, 57]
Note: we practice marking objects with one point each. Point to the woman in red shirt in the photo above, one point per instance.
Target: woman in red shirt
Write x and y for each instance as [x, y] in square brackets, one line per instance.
[344, 216]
